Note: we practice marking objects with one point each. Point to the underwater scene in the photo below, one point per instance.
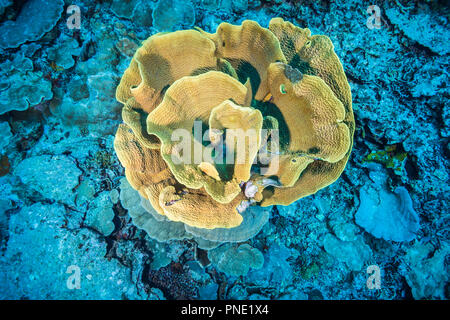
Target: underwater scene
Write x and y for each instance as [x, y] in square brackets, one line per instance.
[224, 150]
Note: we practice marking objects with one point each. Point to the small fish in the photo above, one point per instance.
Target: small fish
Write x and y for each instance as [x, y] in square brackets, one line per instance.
[268, 98]
[55, 67]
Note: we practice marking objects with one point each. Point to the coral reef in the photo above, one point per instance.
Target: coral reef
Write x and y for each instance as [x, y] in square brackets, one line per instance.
[101, 214]
[124, 9]
[6, 135]
[92, 97]
[353, 253]
[428, 276]
[41, 173]
[390, 157]
[387, 215]
[62, 54]
[162, 229]
[44, 14]
[269, 275]
[234, 260]
[169, 90]
[71, 208]
[433, 40]
[47, 240]
[21, 86]
[4, 4]
[171, 14]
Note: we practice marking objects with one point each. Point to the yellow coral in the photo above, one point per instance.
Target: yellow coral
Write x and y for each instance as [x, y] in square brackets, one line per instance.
[240, 79]
[188, 100]
[147, 172]
[250, 50]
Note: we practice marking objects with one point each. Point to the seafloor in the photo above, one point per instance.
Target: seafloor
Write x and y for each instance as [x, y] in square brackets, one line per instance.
[61, 210]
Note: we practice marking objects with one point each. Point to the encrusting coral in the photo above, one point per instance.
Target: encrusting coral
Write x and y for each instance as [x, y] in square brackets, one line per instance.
[44, 14]
[285, 90]
[21, 86]
[162, 229]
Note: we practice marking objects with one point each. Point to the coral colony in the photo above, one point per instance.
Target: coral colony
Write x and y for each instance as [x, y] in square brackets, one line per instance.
[218, 149]
[178, 81]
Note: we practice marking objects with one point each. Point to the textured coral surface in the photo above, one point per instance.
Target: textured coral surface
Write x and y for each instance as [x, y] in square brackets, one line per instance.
[79, 220]
[235, 79]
